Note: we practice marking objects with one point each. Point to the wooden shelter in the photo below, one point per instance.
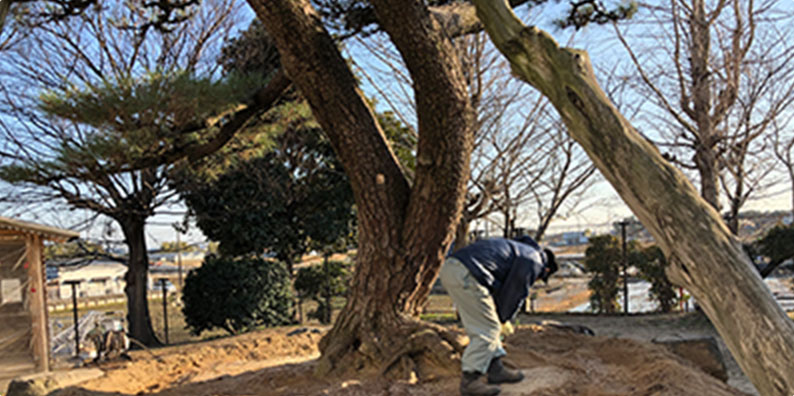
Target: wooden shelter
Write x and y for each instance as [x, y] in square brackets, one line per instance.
[24, 330]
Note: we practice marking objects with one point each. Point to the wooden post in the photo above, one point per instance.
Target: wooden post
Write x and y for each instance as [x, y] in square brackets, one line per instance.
[163, 282]
[38, 303]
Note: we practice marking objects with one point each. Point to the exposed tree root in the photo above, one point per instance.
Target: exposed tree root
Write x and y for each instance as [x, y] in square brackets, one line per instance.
[411, 351]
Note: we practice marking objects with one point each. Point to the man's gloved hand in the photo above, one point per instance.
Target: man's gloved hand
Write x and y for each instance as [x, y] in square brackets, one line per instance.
[507, 329]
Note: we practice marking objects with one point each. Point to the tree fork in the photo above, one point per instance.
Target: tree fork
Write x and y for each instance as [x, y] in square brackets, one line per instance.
[705, 256]
[404, 228]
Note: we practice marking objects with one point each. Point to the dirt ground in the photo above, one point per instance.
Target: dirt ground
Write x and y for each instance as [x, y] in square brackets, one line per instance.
[654, 327]
[281, 362]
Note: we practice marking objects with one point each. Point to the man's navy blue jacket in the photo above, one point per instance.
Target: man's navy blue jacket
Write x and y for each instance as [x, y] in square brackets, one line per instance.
[507, 268]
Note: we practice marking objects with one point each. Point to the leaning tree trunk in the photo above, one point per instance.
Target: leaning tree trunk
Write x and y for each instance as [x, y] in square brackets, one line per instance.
[704, 257]
[403, 230]
[138, 319]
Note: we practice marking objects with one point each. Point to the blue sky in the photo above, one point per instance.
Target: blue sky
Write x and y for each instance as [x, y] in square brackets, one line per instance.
[604, 207]
[605, 51]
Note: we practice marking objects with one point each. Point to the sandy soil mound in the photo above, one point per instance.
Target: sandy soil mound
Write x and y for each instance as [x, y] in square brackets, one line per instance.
[152, 371]
[274, 363]
[605, 366]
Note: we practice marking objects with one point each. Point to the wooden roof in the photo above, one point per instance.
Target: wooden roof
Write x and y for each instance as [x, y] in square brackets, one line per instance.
[47, 232]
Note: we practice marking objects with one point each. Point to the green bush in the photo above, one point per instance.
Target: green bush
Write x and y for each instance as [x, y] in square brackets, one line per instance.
[777, 246]
[236, 294]
[651, 263]
[313, 282]
[603, 260]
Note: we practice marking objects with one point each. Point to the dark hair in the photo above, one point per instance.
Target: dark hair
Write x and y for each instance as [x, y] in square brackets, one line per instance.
[551, 265]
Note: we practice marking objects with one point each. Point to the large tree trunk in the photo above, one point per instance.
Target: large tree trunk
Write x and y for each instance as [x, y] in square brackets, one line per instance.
[138, 319]
[704, 256]
[403, 230]
[446, 134]
[705, 157]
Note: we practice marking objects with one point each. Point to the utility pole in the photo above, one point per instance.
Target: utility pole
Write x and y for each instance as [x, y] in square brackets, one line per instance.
[179, 257]
[623, 225]
[74, 284]
[163, 283]
[179, 228]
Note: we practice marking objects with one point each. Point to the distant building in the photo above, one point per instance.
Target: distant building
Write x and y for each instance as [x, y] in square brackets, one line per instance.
[571, 238]
[104, 279]
[96, 280]
[189, 259]
[575, 238]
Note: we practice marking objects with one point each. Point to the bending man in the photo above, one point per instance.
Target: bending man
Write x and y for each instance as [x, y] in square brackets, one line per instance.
[489, 281]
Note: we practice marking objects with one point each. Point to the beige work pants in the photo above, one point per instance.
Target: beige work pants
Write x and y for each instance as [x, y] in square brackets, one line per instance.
[478, 314]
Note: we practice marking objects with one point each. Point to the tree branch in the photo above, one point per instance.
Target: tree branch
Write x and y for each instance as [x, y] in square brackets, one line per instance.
[262, 100]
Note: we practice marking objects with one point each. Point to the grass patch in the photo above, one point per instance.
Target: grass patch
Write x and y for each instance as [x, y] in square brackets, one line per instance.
[439, 317]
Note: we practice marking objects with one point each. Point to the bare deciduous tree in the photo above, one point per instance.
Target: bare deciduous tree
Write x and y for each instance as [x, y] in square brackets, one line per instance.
[783, 143]
[718, 73]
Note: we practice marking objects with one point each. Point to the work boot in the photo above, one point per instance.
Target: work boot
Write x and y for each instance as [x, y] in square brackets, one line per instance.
[499, 374]
[471, 385]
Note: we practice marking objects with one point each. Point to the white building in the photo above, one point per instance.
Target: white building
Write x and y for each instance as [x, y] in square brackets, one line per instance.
[96, 280]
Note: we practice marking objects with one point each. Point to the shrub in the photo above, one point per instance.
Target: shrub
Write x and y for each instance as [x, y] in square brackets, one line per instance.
[777, 246]
[651, 263]
[603, 259]
[312, 282]
[236, 294]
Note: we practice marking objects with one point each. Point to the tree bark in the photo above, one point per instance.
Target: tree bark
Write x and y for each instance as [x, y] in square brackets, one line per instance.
[138, 319]
[704, 257]
[700, 51]
[446, 134]
[404, 230]
[462, 233]
[735, 204]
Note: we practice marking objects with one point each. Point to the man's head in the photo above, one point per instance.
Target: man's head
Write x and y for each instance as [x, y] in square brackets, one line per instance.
[551, 266]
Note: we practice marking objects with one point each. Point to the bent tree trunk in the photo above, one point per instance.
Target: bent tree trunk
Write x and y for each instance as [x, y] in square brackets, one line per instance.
[138, 319]
[704, 256]
[403, 229]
